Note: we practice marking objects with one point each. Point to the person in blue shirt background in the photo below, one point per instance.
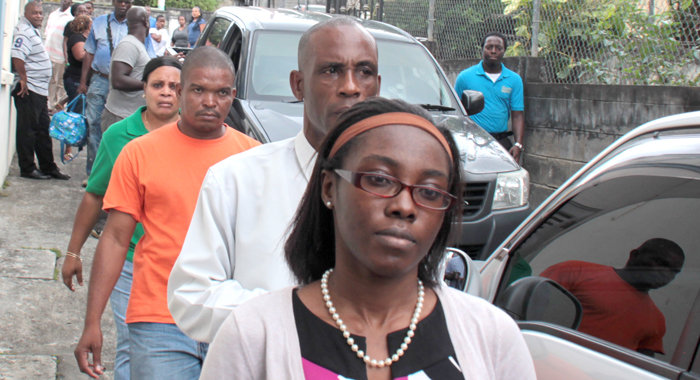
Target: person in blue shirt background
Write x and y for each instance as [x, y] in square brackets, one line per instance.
[196, 26]
[503, 94]
[151, 19]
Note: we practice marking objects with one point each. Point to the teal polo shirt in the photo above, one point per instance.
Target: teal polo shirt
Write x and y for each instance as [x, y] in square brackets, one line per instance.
[500, 98]
[113, 141]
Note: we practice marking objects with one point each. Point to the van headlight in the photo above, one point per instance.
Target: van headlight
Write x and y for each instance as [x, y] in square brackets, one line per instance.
[512, 190]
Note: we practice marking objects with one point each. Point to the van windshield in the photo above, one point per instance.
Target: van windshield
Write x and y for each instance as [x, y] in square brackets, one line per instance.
[416, 80]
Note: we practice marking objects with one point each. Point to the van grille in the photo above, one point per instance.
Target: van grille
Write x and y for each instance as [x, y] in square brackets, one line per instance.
[475, 194]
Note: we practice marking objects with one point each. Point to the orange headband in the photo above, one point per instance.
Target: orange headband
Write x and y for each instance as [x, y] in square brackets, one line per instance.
[393, 118]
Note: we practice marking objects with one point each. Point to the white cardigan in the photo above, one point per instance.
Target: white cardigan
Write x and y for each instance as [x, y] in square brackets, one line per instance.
[259, 340]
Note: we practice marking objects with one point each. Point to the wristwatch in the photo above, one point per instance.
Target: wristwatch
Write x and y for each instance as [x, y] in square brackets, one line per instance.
[519, 145]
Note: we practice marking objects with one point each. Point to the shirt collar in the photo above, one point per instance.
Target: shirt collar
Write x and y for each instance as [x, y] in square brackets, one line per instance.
[113, 17]
[504, 70]
[134, 123]
[26, 21]
[306, 154]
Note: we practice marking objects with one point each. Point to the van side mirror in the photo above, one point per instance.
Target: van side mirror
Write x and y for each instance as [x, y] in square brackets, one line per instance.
[541, 299]
[459, 271]
[473, 101]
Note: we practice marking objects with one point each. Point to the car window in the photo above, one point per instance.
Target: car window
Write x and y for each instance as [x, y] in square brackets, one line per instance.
[274, 56]
[217, 32]
[627, 248]
[415, 80]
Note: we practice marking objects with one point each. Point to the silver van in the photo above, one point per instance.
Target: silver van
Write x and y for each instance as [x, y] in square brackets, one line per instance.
[604, 277]
[262, 44]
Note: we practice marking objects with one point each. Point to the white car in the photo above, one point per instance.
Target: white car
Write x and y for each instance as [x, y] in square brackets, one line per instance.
[603, 278]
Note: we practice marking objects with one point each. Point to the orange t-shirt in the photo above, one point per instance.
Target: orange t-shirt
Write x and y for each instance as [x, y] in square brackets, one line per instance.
[613, 310]
[156, 179]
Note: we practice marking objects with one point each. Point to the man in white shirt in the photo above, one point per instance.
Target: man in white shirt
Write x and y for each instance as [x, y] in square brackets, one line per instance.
[234, 249]
[54, 46]
[159, 35]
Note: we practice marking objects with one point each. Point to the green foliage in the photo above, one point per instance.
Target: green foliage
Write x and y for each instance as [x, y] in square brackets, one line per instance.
[636, 48]
[563, 37]
[205, 5]
[609, 42]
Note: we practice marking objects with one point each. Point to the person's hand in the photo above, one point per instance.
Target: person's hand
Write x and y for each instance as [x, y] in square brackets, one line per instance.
[90, 342]
[23, 89]
[515, 152]
[82, 89]
[72, 267]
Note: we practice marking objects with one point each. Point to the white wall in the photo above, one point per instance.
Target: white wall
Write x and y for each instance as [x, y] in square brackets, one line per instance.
[7, 109]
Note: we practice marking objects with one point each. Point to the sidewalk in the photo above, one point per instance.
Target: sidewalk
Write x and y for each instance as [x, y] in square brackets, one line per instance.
[41, 320]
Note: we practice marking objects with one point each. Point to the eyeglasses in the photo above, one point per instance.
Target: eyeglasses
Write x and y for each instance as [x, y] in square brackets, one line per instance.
[388, 187]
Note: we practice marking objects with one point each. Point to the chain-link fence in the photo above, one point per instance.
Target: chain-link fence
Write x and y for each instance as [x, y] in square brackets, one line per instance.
[579, 41]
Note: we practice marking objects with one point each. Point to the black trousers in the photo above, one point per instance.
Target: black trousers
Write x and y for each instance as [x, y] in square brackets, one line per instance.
[33, 132]
[503, 139]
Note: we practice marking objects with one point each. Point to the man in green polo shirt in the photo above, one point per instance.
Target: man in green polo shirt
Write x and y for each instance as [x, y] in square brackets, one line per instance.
[160, 77]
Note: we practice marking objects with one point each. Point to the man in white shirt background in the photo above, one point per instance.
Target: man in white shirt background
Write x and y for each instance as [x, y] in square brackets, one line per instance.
[234, 249]
[160, 36]
[54, 46]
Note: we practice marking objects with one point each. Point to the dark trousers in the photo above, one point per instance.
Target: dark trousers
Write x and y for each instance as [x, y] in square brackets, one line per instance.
[503, 139]
[71, 85]
[33, 132]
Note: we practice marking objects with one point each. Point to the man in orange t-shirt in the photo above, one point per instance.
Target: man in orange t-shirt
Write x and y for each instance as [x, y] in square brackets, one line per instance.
[616, 302]
[156, 181]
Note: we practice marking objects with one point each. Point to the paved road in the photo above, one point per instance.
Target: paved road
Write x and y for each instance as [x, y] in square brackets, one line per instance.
[40, 319]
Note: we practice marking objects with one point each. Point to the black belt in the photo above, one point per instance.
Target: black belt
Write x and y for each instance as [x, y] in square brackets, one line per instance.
[100, 74]
[501, 135]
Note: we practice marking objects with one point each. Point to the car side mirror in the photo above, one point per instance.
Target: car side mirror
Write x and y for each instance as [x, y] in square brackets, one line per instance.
[459, 271]
[541, 299]
[473, 101]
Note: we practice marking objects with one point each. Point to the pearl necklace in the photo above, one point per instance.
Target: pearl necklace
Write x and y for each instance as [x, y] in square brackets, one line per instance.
[351, 342]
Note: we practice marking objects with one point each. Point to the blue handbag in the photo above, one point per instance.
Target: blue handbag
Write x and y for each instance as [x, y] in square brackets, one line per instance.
[70, 127]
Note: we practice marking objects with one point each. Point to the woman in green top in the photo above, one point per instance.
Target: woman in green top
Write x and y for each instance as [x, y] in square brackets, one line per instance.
[160, 78]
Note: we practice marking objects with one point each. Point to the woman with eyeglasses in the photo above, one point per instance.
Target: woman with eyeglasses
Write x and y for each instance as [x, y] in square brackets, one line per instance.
[365, 246]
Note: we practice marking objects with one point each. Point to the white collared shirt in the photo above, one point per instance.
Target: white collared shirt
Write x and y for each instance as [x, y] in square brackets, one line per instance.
[234, 249]
[54, 34]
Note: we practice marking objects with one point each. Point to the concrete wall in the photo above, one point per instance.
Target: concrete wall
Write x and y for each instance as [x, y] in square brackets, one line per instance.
[567, 125]
[527, 67]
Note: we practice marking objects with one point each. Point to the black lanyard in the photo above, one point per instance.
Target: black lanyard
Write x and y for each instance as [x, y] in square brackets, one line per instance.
[109, 36]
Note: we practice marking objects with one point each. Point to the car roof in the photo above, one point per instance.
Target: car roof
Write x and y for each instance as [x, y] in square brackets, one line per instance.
[256, 18]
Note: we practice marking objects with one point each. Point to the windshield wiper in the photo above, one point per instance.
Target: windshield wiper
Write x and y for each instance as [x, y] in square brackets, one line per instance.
[293, 101]
[436, 107]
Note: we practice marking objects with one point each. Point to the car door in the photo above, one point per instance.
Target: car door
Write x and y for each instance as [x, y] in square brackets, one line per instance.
[642, 200]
